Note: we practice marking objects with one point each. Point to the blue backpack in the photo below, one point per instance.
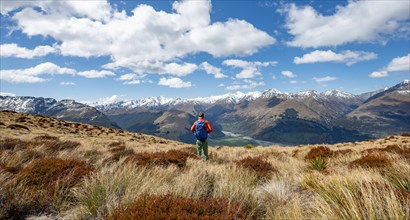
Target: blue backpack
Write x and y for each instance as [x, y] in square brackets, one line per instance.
[200, 131]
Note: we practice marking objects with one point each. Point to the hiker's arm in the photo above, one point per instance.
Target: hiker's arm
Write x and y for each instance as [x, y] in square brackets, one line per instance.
[208, 127]
[193, 127]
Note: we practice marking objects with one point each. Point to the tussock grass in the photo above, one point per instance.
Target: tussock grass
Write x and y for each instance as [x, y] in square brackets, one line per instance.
[100, 173]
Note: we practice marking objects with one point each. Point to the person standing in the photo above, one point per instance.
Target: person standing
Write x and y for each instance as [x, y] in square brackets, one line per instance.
[201, 128]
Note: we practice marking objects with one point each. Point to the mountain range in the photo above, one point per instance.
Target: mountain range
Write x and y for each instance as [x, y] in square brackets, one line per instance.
[288, 118]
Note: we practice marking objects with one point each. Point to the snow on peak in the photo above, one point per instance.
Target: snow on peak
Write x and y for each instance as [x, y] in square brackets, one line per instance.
[338, 94]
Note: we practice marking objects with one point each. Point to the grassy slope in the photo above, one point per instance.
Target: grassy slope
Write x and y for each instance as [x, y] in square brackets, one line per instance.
[350, 184]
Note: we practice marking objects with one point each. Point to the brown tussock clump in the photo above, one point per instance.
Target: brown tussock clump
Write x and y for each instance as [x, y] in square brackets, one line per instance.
[263, 169]
[18, 127]
[165, 159]
[372, 160]
[11, 144]
[319, 152]
[46, 171]
[171, 207]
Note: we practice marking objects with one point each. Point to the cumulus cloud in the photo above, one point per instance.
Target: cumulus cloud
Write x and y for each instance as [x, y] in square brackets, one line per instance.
[33, 74]
[249, 84]
[288, 74]
[131, 78]
[310, 28]
[379, 74]
[174, 83]
[7, 94]
[208, 68]
[146, 41]
[67, 84]
[95, 73]
[293, 82]
[249, 69]
[110, 99]
[398, 64]
[349, 57]
[13, 50]
[324, 79]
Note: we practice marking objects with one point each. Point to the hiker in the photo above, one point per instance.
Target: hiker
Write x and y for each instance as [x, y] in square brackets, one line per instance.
[201, 128]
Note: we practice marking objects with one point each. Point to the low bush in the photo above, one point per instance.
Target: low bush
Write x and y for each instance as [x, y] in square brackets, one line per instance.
[11, 143]
[372, 160]
[249, 146]
[405, 134]
[18, 127]
[190, 150]
[46, 138]
[43, 187]
[342, 152]
[319, 152]
[175, 157]
[263, 169]
[45, 172]
[171, 207]
[116, 144]
[318, 164]
[117, 155]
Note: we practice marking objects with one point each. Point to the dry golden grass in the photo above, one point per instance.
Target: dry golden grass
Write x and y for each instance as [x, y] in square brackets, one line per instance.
[106, 171]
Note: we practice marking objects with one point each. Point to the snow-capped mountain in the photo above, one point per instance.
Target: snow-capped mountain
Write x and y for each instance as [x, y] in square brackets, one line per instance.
[228, 98]
[65, 109]
[293, 118]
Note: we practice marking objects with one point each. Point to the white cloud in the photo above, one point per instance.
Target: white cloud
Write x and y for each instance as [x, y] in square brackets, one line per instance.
[67, 84]
[13, 50]
[221, 85]
[358, 21]
[7, 94]
[250, 84]
[379, 74]
[145, 41]
[288, 74]
[110, 99]
[273, 77]
[249, 69]
[33, 74]
[324, 79]
[399, 64]
[131, 78]
[95, 73]
[293, 82]
[212, 70]
[174, 83]
[349, 57]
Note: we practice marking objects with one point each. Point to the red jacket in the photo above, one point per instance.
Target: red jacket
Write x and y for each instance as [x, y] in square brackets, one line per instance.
[208, 126]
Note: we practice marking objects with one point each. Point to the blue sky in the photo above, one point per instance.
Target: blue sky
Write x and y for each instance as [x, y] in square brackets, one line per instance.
[94, 50]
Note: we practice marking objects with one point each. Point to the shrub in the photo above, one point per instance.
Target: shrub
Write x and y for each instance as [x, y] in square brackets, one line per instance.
[116, 144]
[46, 138]
[249, 146]
[175, 157]
[18, 127]
[44, 185]
[262, 168]
[53, 144]
[318, 164]
[11, 143]
[342, 152]
[171, 207]
[117, 155]
[319, 152]
[372, 160]
[46, 171]
[8, 169]
[405, 134]
[190, 150]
